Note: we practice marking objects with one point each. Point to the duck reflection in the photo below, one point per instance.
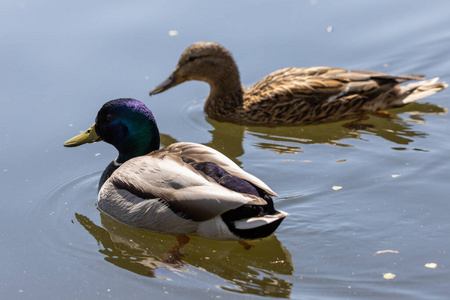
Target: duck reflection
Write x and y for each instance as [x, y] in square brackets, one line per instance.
[394, 128]
[228, 137]
[255, 271]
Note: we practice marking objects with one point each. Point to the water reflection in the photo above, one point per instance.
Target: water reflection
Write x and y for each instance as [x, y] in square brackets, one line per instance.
[228, 137]
[256, 271]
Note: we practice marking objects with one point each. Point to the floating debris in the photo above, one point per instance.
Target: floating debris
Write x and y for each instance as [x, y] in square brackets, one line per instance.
[395, 175]
[388, 276]
[386, 251]
[173, 32]
[336, 187]
[431, 265]
[340, 160]
[329, 28]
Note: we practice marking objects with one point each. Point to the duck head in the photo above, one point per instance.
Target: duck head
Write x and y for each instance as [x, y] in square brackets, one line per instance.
[203, 61]
[125, 123]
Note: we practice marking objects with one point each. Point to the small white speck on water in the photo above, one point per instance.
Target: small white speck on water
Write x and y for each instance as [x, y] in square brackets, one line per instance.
[431, 265]
[389, 276]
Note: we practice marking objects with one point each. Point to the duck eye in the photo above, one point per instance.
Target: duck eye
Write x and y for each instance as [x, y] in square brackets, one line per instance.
[192, 58]
[109, 117]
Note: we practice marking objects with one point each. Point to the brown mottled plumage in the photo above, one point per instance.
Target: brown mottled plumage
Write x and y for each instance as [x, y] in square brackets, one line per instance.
[292, 95]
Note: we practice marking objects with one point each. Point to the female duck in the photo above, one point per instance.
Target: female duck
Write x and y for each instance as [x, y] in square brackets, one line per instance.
[183, 189]
[292, 95]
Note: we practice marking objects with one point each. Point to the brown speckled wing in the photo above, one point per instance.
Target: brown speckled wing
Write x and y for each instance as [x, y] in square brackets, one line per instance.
[302, 95]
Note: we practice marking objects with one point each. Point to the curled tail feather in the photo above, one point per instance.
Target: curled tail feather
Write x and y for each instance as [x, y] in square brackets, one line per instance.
[421, 89]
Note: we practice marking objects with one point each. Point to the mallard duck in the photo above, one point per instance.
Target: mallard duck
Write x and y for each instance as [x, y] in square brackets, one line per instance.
[182, 189]
[292, 95]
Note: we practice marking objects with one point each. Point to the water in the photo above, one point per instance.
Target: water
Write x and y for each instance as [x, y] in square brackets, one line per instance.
[62, 61]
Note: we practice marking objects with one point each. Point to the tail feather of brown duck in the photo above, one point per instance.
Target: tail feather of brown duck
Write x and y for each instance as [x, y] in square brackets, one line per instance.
[398, 78]
[420, 89]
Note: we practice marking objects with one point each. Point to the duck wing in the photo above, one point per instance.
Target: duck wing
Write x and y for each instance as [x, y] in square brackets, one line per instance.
[201, 153]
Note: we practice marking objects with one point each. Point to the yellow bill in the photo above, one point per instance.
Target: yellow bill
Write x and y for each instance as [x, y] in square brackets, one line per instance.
[89, 136]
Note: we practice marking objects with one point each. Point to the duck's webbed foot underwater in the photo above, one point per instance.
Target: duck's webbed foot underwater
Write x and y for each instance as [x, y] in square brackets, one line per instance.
[174, 254]
[247, 245]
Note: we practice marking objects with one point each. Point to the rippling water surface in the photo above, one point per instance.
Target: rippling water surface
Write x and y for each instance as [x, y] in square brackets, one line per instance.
[368, 199]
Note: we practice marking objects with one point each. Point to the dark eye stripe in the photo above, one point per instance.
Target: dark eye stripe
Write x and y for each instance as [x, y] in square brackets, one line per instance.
[192, 58]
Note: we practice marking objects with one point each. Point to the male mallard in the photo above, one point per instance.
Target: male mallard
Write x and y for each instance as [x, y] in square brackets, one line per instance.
[292, 95]
[183, 189]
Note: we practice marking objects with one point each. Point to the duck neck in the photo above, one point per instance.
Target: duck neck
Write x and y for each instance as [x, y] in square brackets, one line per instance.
[226, 94]
[136, 148]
